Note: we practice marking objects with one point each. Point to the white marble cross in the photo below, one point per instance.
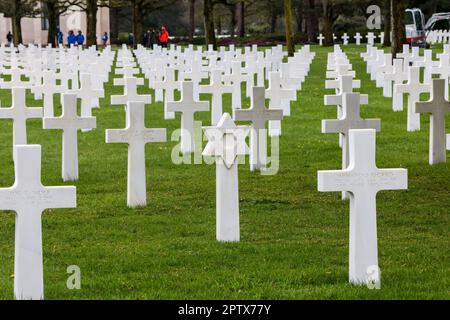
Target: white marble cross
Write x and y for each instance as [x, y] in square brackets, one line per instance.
[289, 81]
[48, 89]
[123, 81]
[136, 135]
[276, 95]
[169, 85]
[187, 106]
[341, 70]
[363, 180]
[128, 71]
[217, 89]
[236, 78]
[89, 96]
[443, 70]
[358, 38]
[130, 94]
[397, 76]
[371, 38]
[345, 38]
[258, 115]
[381, 36]
[437, 107]
[195, 75]
[29, 198]
[350, 119]
[413, 88]
[320, 38]
[16, 80]
[19, 113]
[345, 85]
[226, 142]
[70, 123]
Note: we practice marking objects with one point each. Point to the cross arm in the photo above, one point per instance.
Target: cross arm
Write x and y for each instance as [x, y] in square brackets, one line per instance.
[329, 100]
[333, 126]
[60, 197]
[52, 123]
[331, 180]
[392, 179]
[116, 136]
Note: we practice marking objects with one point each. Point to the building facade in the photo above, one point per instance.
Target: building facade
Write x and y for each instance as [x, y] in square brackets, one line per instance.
[35, 30]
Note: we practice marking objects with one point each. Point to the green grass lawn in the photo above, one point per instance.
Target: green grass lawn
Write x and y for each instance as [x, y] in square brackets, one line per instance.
[294, 240]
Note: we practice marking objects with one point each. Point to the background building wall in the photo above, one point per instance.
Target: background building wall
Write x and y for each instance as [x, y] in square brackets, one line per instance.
[32, 32]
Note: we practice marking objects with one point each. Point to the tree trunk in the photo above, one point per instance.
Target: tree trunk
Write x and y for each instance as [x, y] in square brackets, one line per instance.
[16, 27]
[91, 21]
[387, 23]
[288, 27]
[299, 12]
[191, 20]
[242, 19]
[208, 16]
[50, 8]
[219, 25]
[273, 17]
[312, 21]
[328, 22]
[233, 20]
[398, 27]
[114, 25]
[137, 23]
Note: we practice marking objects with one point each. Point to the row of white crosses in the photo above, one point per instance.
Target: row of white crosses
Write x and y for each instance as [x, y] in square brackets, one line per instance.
[407, 67]
[360, 179]
[438, 36]
[27, 196]
[69, 122]
[236, 69]
[371, 38]
[282, 86]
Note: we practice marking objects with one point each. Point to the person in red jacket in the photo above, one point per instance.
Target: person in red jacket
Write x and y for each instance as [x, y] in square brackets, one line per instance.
[163, 37]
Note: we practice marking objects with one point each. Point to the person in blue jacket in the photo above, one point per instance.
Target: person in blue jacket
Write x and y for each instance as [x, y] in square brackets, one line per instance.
[105, 39]
[71, 38]
[59, 37]
[80, 38]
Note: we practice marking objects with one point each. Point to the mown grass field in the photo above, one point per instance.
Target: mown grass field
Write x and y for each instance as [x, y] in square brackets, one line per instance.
[294, 240]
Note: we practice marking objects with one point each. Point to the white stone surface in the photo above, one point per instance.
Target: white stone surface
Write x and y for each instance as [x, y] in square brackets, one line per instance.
[130, 94]
[169, 85]
[226, 142]
[217, 89]
[235, 79]
[19, 113]
[276, 94]
[69, 122]
[413, 88]
[350, 119]
[437, 107]
[320, 38]
[363, 180]
[48, 89]
[89, 97]
[358, 38]
[29, 198]
[188, 106]
[258, 114]
[136, 135]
